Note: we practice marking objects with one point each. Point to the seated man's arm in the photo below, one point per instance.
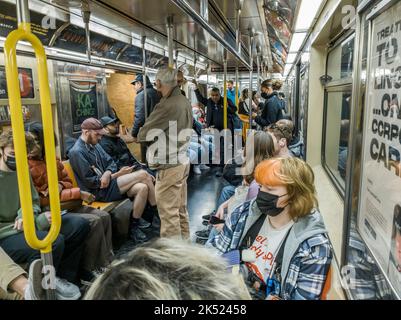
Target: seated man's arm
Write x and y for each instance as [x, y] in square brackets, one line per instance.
[83, 169]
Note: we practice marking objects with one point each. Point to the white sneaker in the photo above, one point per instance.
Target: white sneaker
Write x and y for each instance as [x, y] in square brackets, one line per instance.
[204, 167]
[66, 290]
[197, 169]
[34, 289]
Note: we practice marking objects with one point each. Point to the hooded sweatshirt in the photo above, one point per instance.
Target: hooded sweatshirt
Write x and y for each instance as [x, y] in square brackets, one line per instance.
[307, 241]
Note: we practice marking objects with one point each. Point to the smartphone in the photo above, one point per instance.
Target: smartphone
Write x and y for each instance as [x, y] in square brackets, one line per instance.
[215, 220]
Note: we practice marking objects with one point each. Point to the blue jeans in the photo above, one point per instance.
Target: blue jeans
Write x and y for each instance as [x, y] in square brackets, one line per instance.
[226, 193]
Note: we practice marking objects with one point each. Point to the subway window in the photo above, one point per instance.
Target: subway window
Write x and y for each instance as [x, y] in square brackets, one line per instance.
[338, 95]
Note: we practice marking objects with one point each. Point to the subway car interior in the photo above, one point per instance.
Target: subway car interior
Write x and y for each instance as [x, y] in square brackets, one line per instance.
[132, 166]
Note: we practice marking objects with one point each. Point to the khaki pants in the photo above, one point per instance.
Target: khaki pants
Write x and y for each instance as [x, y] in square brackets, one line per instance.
[171, 198]
[9, 271]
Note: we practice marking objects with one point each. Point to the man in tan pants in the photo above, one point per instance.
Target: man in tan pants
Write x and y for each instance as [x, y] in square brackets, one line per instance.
[168, 130]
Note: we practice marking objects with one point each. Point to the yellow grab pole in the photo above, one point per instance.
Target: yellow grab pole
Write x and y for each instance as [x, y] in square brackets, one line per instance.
[24, 33]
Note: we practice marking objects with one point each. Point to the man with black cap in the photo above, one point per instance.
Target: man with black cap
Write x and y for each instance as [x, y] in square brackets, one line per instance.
[152, 98]
[97, 173]
[116, 147]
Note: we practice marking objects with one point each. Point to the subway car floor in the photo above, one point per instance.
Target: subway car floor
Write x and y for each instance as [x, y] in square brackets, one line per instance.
[203, 193]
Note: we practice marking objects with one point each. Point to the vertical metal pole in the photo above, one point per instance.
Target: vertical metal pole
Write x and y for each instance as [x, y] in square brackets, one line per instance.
[258, 66]
[238, 43]
[251, 40]
[225, 90]
[204, 9]
[144, 72]
[23, 14]
[86, 18]
[170, 39]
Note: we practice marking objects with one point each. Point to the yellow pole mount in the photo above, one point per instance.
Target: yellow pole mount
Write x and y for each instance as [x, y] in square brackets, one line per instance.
[10, 54]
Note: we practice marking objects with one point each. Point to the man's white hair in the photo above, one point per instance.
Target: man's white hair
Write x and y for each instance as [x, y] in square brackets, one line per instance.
[167, 76]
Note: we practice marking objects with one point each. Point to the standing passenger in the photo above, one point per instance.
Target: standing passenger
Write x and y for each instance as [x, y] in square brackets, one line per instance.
[171, 182]
[272, 110]
[152, 98]
[231, 91]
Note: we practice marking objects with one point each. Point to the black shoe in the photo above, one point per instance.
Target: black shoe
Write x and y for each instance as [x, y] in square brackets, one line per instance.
[208, 216]
[205, 223]
[203, 235]
[138, 236]
[143, 224]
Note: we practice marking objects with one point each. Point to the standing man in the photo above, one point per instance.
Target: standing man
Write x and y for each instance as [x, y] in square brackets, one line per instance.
[153, 98]
[231, 91]
[171, 181]
[272, 110]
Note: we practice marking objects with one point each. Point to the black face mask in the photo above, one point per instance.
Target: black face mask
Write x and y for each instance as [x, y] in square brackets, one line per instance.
[267, 203]
[264, 95]
[11, 163]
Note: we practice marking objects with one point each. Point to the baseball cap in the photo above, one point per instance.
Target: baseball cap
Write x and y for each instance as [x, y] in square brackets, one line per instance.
[139, 78]
[93, 124]
[107, 120]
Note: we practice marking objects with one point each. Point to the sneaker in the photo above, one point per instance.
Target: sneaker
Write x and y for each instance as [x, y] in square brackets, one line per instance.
[203, 235]
[138, 236]
[208, 216]
[205, 223]
[204, 167]
[143, 224]
[34, 289]
[66, 290]
[197, 169]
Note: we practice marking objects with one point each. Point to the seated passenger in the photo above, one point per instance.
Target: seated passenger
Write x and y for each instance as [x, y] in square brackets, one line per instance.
[263, 149]
[116, 147]
[296, 144]
[282, 225]
[15, 283]
[169, 269]
[282, 136]
[67, 248]
[98, 250]
[97, 173]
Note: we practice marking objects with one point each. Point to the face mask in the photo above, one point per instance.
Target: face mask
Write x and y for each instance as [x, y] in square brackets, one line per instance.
[264, 95]
[11, 163]
[267, 203]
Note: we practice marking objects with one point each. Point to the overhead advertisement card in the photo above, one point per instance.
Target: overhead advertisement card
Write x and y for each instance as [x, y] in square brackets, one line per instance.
[379, 220]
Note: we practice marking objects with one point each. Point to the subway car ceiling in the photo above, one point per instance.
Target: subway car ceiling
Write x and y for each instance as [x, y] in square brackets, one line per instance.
[117, 29]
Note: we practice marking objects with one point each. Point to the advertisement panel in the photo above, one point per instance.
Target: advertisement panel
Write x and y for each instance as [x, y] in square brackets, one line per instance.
[379, 220]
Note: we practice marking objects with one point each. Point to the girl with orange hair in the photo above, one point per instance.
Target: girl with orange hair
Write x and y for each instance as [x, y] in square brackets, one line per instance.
[284, 233]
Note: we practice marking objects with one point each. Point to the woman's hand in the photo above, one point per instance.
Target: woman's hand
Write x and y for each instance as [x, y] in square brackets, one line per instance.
[18, 225]
[220, 211]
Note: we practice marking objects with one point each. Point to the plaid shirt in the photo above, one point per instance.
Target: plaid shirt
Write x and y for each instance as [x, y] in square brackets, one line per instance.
[308, 268]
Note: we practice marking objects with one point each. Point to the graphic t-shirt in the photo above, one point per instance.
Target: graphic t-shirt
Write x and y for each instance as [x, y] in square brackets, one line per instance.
[266, 246]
